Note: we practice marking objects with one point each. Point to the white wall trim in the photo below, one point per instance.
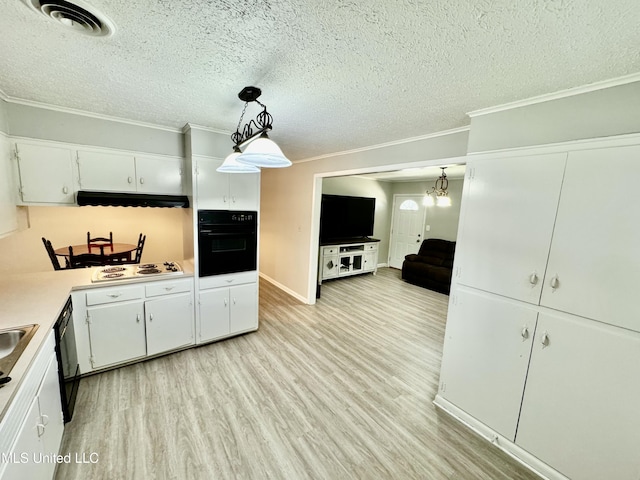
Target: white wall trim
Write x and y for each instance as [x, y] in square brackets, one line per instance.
[583, 144]
[84, 113]
[193, 126]
[510, 448]
[387, 144]
[284, 288]
[3, 96]
[569, 92]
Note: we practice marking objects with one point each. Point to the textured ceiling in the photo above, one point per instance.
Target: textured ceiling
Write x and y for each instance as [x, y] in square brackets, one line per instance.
[335, 74]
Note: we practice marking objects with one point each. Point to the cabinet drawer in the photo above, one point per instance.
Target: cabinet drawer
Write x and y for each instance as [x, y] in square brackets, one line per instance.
[228, 280]
[167, 288]
[112, 295]
[330, 250]
[371, 246]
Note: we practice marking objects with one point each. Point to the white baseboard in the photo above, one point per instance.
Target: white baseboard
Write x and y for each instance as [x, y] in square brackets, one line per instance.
[380, 265]
[295, 295]
[514, 451]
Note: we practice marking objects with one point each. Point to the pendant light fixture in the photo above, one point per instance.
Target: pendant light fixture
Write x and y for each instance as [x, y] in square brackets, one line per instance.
[260, 150]
[439, 191]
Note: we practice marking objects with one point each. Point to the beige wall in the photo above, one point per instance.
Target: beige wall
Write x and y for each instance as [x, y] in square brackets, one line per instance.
[366, 187]
[290, 203]
[24, 251]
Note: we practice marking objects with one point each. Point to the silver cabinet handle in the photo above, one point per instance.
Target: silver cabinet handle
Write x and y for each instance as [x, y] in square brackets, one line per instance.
[65, 190]
[225, 302]
[41, 429]
[234, 301]
[129, 179]
[138, 318]
[233, 198]
[44, 419]
[170, 288]
[524, 333]
[224, 198]
[141, 180]
[533, 278]
[544, 340]
[555, 282]
[114, 295]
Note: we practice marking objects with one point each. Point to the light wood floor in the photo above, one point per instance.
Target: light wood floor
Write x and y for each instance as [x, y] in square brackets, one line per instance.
[339, 390]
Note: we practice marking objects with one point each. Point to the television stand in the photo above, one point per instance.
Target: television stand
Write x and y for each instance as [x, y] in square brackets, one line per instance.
[346, 257]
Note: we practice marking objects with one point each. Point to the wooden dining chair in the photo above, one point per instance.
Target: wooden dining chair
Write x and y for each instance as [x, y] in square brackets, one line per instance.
[138, 256]
[99, 242]
[85, 260]
[52, 255]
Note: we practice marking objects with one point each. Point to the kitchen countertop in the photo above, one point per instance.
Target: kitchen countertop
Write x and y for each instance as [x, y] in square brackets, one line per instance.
[39, 298]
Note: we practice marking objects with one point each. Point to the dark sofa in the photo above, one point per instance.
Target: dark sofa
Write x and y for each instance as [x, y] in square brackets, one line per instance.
[432, 266]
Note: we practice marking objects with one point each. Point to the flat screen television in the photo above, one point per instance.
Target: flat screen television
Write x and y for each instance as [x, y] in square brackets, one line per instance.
[344, 217]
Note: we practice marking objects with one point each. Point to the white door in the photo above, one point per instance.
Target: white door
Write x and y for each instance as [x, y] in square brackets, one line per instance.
[214, 314]
[486, 354]
[510, 206]
[107, 171]
[51, 413]
[407, 227]
[212, 187]
[244, 191]
[580, 408]
[595, 253]
[169, 323]
[27, 445]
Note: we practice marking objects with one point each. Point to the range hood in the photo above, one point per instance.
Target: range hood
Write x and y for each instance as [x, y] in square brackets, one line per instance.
[117, 199]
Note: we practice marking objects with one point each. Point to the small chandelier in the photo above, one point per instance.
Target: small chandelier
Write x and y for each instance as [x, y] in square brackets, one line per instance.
[439, 191]
[260, 150]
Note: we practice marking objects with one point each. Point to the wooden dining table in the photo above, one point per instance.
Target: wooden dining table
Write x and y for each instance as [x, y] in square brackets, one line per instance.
[116, 250]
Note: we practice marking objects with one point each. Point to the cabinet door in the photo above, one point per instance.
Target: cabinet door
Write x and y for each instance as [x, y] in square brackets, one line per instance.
[117, 333]
[212, 188]
[51, 414]
[107, 171]
[370, 261]
[214, 314]
[159, 175]
[330, 267]
[580, 409]
[510, 206]
[595, 253]
[46, 174]
[486, 354]
[27, 445]
[169, 322]
[8, 215]
[244, 191]
[244, 308]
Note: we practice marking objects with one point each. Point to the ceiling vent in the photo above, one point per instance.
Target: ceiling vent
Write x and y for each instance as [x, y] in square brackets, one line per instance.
[77, 16]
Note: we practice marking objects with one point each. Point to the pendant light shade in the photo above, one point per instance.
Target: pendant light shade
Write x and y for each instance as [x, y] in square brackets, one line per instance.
[264, 152]
[231, 164]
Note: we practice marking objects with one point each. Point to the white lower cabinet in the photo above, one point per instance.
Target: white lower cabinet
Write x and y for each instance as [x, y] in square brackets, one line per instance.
[164, 332]
[486, 354]
[40, 432]
[227, 311]
[117, 333]
[581, 406]
[120, 324]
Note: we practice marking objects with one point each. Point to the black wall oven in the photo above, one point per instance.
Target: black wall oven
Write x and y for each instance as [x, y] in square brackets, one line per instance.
[68, 368]
[227, 241]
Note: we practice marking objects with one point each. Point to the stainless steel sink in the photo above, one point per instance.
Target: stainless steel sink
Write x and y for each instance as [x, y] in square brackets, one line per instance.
[13, 341]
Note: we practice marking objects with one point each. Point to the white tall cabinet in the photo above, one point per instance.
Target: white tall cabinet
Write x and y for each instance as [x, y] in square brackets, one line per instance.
[542, 346]
[225, 191]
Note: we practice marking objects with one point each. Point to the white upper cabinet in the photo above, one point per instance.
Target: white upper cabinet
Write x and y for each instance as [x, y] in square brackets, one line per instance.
[45, 174]
[159, 175]
[510, 206]
[594, 262]
[580, 409]
[226, 191]
[486, 354]
[8, 214]
[102, 171]
[118, 172]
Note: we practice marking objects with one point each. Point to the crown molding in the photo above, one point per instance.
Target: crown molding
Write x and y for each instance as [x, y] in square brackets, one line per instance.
[570, 92]
[3, 96]
[84, 113]
[192, 126]
[388, 144]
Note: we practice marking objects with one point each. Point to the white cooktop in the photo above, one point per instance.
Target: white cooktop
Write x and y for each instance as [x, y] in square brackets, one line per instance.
[122, 272]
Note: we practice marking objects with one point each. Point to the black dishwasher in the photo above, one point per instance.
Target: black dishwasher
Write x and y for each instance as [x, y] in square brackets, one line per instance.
[68, 368]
